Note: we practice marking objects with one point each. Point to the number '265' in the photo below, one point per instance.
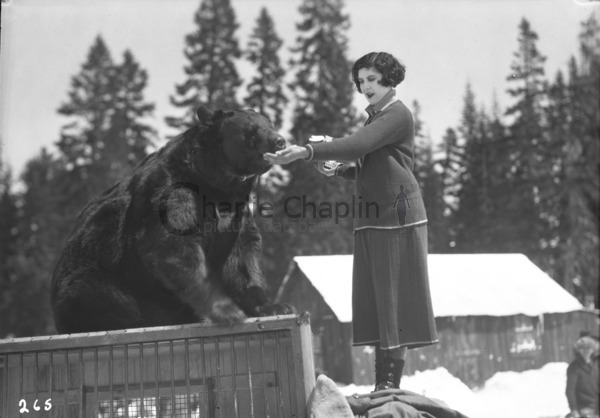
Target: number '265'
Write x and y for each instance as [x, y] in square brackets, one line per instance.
[36, 407]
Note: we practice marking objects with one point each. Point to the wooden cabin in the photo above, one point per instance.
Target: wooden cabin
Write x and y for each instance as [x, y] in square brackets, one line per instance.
[494, 312]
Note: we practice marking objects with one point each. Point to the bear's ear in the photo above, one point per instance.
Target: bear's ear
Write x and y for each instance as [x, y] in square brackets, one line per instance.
[204, 113]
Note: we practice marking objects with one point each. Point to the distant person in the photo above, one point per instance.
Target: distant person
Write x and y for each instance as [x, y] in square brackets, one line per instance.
[582, 379]
[391, 302]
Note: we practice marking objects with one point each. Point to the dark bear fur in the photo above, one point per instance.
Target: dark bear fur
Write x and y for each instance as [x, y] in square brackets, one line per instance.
[175, 241]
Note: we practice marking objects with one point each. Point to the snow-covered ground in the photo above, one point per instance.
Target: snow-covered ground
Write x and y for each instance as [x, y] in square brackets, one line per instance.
[530, 394]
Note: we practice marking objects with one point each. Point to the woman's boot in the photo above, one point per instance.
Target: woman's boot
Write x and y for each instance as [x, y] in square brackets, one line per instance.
[388, 368]
[378, 366]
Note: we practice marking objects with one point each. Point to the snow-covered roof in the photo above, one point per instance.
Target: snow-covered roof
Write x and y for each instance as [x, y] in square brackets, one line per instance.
[461, 285]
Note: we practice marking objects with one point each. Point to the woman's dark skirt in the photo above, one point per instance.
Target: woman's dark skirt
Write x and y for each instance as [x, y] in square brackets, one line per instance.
[391, 301]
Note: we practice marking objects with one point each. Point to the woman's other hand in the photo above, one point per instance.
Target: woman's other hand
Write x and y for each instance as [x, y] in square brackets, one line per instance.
[286, 156]
[324, 170]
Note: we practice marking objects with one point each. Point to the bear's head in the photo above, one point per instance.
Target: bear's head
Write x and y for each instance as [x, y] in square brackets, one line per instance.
[242, 136]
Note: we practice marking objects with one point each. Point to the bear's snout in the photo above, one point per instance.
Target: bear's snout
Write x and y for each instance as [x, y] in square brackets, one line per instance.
[279, 143]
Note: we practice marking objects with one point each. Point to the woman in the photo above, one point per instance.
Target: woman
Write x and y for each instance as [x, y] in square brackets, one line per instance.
[391, 300]
[582, 379]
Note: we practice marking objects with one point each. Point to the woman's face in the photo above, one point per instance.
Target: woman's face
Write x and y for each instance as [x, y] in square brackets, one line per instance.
[368, 79]
[586, 353]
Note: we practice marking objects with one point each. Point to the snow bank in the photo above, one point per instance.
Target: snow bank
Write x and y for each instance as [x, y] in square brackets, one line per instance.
[530, 394]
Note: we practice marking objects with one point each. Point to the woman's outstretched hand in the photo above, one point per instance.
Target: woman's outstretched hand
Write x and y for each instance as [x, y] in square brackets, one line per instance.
[286, 156]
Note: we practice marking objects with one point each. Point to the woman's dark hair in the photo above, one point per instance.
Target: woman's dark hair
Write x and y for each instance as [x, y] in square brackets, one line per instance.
[391, 70]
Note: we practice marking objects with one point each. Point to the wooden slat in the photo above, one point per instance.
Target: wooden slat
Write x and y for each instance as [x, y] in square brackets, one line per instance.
[141, 335]
[303, 361]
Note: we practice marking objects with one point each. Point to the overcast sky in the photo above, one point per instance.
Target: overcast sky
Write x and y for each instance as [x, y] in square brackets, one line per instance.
[443, 43]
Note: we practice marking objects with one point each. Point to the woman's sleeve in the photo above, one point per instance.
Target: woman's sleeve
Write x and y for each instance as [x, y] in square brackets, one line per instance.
[393, 126]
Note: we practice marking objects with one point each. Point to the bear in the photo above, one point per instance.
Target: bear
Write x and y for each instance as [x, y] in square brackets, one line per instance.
[175, 241]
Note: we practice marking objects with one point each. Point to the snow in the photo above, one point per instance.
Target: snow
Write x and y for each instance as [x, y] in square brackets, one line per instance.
[530, 394]
[331, 275]
[494, 284]
[461, 285]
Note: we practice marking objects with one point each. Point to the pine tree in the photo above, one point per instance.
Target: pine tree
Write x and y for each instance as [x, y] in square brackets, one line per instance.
[525, 230]
[586, 118]
[423, 148]
[212, 77]
[527, 71]
[106, 134]
[430, 184]
[557, 190]
[450, 167]
[463, 213]
[8, 250]
[130, 136]
[472, 218]
[322, 87]
[589, 116]
[498, 148]
[323, 94]
[589, 46]
[89, 107]
[265, 90]
[40, 226]
[487, 169]
[575, 126]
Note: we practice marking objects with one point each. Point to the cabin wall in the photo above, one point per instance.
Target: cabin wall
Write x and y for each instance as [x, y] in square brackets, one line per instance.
[330, 337]
[561, 330]
[475, 348]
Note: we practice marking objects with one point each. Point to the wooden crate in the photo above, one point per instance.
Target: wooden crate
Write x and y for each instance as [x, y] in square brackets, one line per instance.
[258, 368]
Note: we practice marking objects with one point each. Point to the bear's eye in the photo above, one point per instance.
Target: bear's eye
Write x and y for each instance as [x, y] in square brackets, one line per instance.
[253, 138]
